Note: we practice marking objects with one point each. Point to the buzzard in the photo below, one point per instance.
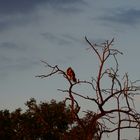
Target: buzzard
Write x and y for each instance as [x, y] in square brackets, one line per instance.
[71, 75]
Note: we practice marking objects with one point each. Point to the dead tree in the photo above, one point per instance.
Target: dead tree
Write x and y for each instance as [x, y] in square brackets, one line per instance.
[120, 90]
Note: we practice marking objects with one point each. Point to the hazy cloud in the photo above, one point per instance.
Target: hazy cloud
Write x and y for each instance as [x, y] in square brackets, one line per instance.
[72, 38]
[57, 39]
[8, 21]
[122, 16]
[24, 6]
[10, 46]
[8, 65]
[22, 12]
[18, 6]
[13, 58]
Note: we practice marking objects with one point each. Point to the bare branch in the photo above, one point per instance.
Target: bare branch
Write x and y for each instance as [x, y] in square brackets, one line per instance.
[120, 90]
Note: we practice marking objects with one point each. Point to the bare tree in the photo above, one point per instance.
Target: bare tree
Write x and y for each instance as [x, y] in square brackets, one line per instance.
[120, 91]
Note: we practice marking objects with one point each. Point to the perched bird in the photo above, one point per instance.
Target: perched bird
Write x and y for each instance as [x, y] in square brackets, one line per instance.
[71, 75]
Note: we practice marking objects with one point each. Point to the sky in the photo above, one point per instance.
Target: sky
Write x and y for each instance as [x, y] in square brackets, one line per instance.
[54, 31]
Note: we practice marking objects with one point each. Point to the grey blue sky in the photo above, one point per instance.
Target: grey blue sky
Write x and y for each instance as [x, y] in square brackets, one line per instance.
[54, 30]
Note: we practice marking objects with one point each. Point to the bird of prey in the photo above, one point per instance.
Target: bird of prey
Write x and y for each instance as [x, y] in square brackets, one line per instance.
[71, 75]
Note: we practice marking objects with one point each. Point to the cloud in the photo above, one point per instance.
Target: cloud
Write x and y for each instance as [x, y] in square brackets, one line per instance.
[72, 38]
[57, 39]
[25, 6]
[10, 46]
[10, 65]
[15, 20]
[68, 6]
[17, 12]
[17, 6]
[22, 12]
[66, 39]
[14, 57]
[129, 17]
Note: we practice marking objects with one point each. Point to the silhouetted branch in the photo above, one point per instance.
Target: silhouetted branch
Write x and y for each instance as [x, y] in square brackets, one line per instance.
[120, 90]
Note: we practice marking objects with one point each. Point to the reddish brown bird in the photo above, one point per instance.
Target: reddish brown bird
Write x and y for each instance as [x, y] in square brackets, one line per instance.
[71, 75]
